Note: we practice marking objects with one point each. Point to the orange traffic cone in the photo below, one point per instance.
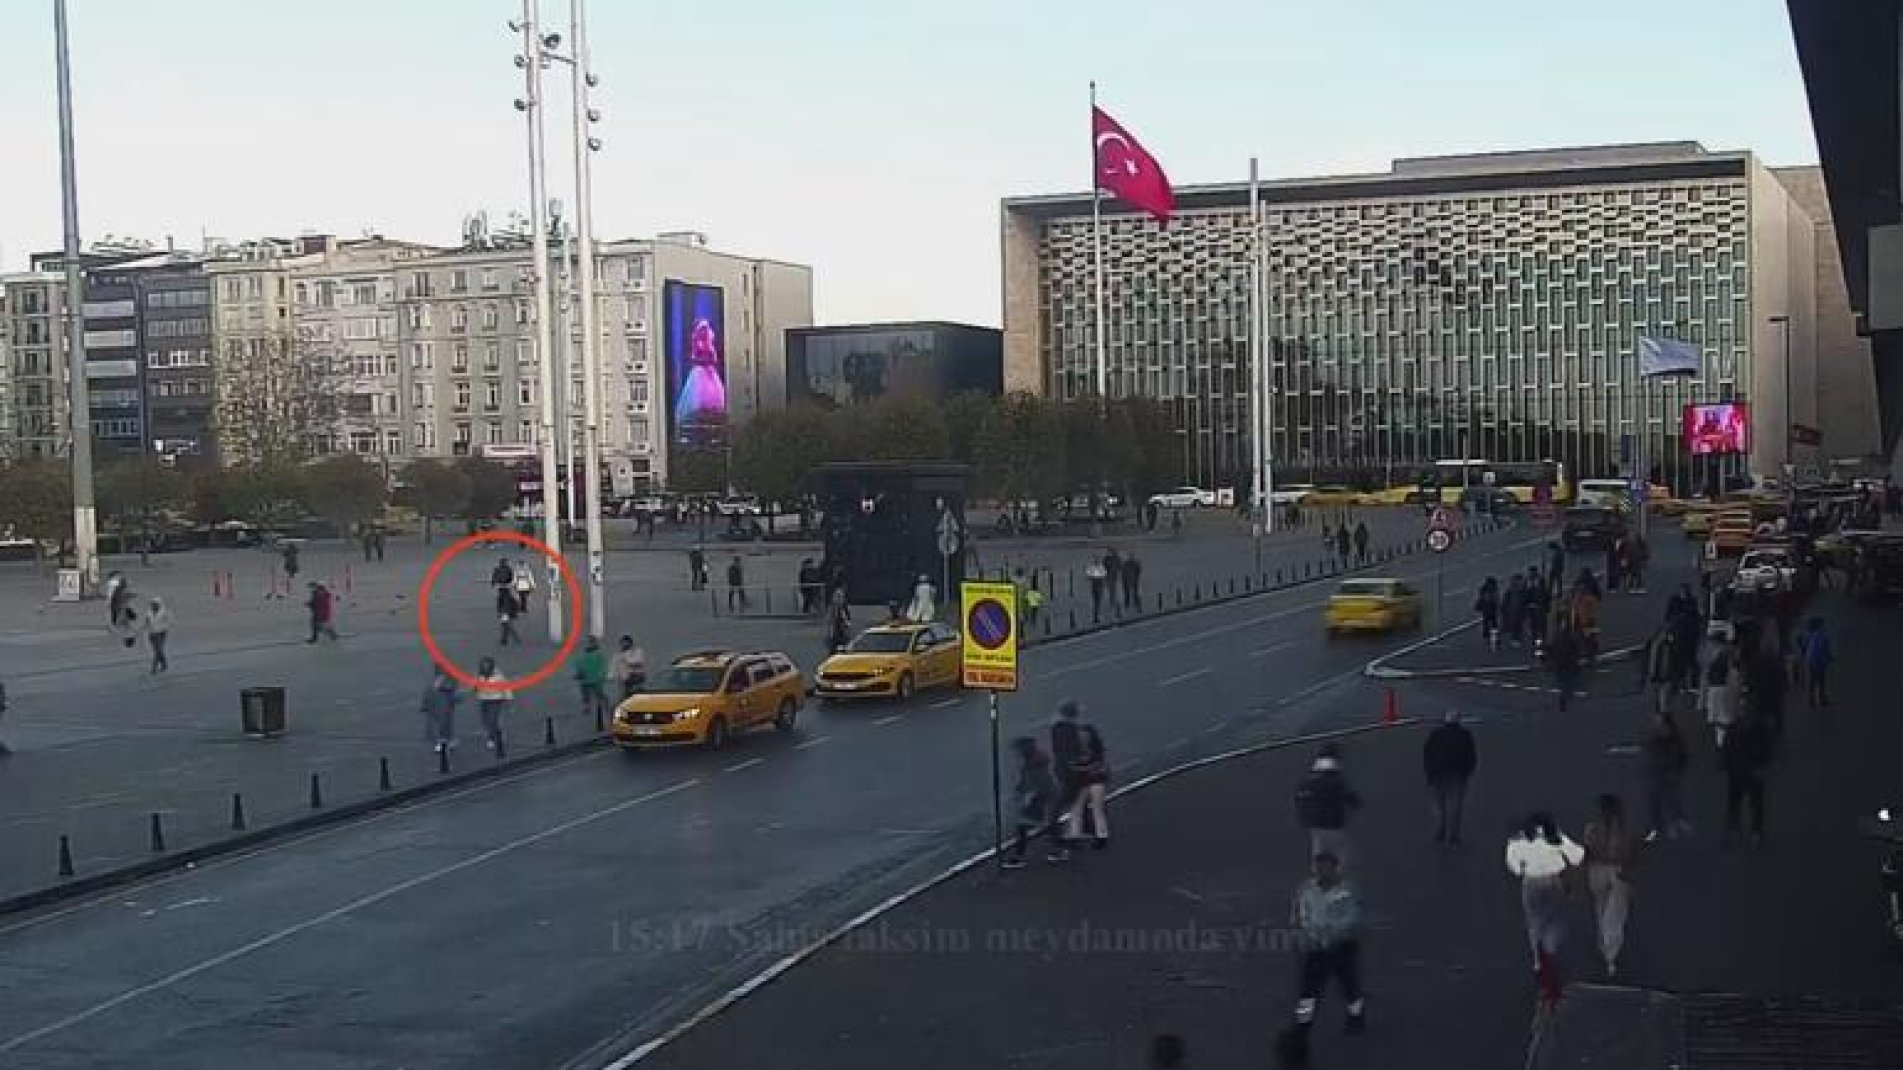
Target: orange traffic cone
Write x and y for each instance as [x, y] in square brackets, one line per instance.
[1390, 708]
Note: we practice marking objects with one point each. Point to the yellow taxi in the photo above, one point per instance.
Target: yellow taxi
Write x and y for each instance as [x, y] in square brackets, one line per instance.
[710, 696]
[1731, 531]
[892, 661]
[1372, 605]
[1698, 519]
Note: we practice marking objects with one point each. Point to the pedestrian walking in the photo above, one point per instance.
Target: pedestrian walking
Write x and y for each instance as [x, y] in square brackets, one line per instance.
[736, 585]
[1342, 539]
[1816, 653]
[493, 696]
[1487, 605]
[1564, 657]
[1449, 759]
[368, 542]
[322, 607]
[809, 587]
[1722, 685]
[1658, 669]
[1361, 542]
[1034, 802]
[1765, 677]
[1556, 567]
[697, 569]
[524, 584]
[591, 678]
[289, 555]
[377, 539]
[1513, 609]
[1132, 582]
[1099, 578]
[439, 711]
[924, 606]
[1611, 853]
[629, 667]
[507, 608]
[1638, 555]
[1083, 773]
[1113, 580]
[839, 623]
[1745, 754]
[1327, 914]
[1615, 565]
[158, 625]
[1545, 861]
[502, 577]
[1325, 802]
[1663, 777]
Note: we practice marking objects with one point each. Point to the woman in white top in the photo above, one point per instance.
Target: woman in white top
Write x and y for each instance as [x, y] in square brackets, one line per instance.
[1544, 859]
[492, 699]
[524, 587]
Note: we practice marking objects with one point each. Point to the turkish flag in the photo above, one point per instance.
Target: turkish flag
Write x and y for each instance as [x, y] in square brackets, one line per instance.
[1127, 171]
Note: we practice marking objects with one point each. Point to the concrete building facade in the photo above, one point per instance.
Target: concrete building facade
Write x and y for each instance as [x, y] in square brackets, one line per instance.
[1470, 306]
[32, 364]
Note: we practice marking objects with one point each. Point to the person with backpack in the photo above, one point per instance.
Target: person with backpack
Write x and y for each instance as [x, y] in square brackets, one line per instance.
[1324, 803]
[1083, 774]
[1034, 800]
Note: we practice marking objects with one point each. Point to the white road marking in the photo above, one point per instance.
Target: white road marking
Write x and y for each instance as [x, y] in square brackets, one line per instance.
[355, 905]
[1183, 678]
[1272, 648]
[814, 742]
[946, 703]
[1215, 728]
[1177, 744]
[887, 720]
[748, 764]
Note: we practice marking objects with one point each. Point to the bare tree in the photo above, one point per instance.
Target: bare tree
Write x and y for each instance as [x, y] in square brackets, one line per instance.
[280, 397]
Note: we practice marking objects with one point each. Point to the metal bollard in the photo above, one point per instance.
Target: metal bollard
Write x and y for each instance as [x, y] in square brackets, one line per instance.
[769, 601]
[383, 774]
[1232, 585]
[158, 833]
[442, 761]
[65, 857]
[1159, 601]
[600, 725]
[237, 812]
[1179, 597]
[1073, 618]
[317, 792]
[1278, 577]
[548, 731]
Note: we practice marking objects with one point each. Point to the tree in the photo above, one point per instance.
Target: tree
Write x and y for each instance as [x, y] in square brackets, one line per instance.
[1019, 450]
[345, 490]
[891, 429]
[965, 413]
[774, 452]
[1156, 449]
[36, 500]
[491, 487]
[264, 495]
[697, 470]
[436, 489]
[133, 492]
[280, 397]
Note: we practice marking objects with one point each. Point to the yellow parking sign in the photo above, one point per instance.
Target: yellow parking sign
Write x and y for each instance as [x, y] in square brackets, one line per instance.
[989, 612]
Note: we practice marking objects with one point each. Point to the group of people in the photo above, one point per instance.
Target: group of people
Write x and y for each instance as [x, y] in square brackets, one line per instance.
[1116, 579]
[1349, 545]
[128, 624]
[1061, 792]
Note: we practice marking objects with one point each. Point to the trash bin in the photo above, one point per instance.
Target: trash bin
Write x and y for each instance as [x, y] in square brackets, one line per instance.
[262, 711]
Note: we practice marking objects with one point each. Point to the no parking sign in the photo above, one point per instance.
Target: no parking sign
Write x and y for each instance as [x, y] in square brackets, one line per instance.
[990, 617]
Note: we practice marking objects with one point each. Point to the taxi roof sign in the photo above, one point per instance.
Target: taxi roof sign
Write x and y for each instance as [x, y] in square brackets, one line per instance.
[989, 613]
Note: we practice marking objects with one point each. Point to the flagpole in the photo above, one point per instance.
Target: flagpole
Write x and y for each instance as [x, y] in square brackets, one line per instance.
[1096, 245]
[1259, 506]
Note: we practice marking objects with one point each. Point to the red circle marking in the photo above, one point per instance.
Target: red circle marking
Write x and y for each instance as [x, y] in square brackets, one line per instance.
[469, 542]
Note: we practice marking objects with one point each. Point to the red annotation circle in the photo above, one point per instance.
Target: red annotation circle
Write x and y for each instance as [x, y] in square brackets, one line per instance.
[470, 542]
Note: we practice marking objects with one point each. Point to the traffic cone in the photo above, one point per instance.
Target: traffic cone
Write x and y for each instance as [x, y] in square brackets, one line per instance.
[1390, 708]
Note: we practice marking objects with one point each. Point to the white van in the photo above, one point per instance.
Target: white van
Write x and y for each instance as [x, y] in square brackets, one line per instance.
[1604, 493]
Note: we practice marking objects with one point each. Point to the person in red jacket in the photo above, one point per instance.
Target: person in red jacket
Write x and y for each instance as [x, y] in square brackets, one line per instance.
[320, 605]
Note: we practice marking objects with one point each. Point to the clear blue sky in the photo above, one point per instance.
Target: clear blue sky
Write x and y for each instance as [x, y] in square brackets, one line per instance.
[869, 138]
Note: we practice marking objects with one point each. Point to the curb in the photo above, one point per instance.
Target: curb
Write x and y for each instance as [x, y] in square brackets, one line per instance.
[80, 887]
[871, 914]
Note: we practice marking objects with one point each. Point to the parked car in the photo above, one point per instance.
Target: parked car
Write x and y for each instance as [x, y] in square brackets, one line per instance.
[1591, 527]
[1185, 498]
[738, 506]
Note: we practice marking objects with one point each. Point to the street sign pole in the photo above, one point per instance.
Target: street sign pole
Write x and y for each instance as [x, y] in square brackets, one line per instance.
[997, 788]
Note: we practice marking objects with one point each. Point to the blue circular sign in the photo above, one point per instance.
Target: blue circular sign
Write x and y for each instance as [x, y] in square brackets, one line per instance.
[988, 623]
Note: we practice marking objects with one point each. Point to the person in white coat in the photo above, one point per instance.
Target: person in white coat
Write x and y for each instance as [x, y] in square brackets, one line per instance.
[1544, 860]
[158, 625]
[524, 587]
[924, 605]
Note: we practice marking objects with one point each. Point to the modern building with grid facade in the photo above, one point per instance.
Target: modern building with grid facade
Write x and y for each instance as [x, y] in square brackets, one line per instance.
[1474, 306]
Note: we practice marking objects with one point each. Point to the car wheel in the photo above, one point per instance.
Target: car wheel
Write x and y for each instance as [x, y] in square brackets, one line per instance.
[717, 734]
[787, 715]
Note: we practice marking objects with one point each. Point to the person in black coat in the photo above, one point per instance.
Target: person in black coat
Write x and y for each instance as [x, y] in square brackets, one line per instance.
[1449, 759]
[1745, 753]
[1324, 801]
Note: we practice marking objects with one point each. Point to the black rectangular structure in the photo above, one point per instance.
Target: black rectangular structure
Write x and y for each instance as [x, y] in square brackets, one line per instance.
[880, 526]
[832, 367]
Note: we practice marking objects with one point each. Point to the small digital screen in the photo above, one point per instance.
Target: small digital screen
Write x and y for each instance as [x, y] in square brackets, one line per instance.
[1717, 428]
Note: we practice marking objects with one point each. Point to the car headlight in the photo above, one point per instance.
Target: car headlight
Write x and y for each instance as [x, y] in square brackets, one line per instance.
[687, 714]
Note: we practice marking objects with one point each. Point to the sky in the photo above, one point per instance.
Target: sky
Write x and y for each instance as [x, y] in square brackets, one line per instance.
[872, 139]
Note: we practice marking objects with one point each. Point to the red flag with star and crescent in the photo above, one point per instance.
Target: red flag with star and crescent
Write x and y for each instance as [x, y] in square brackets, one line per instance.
[1127, 171]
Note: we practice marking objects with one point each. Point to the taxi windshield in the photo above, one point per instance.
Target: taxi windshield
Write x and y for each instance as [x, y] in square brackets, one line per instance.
[881, 643]
[685, 680]
[1363, 589]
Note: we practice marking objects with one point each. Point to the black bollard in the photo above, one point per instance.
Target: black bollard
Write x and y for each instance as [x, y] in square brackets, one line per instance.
[158, 833]
[1047, 625]
[1179, 597]
[769, 601]
[1278, 577]
[548, 731]
[65, 857]
[442, 761]
[317, 792]
[237, 812]
[383, 774]
[1073, 618]
[1232, 585]
[1159, 601]
[600, 726]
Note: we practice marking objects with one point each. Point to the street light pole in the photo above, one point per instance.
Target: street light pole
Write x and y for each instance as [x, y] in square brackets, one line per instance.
[79, 419]
[586, 145]
[532, 60]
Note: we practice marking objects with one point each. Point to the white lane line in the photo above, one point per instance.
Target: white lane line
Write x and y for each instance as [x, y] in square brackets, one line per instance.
[1177, 744]
[1183, 678]
[946, 703]
[273, 939]
[814, 742]
[887, 720]
[1215, 728]
[1272, 648]
[743, 766]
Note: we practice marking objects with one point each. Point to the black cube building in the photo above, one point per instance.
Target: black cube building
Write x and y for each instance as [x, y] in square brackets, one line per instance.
[880, 531]
[835, 367]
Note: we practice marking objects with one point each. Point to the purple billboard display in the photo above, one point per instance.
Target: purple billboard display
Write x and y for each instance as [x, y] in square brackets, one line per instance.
[694, 334]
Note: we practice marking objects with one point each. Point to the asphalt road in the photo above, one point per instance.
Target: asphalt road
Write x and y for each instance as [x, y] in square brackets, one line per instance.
[560, 916]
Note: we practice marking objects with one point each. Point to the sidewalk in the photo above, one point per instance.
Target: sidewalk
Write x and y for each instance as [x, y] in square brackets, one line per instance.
[1181, 927]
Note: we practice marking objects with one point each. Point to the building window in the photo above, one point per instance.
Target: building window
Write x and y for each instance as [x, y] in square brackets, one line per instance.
[363, 442]
[458, 319]
[420, 284]
[521, 352]
[364, 293]
[491, 356]
[419, 395]
[491, 318]
[492, 397]
[638, 429]
[462, 438]
[459, 360]
[525, 432]
[458, 281]
[234, 290]
[492, 433]
[361, 329]
[638, 391]
[326, 295]
[393, 442]
[521, 313]
[462, 397]
[422, 356]
[489, 279]
[525, 392]
[424, 438]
